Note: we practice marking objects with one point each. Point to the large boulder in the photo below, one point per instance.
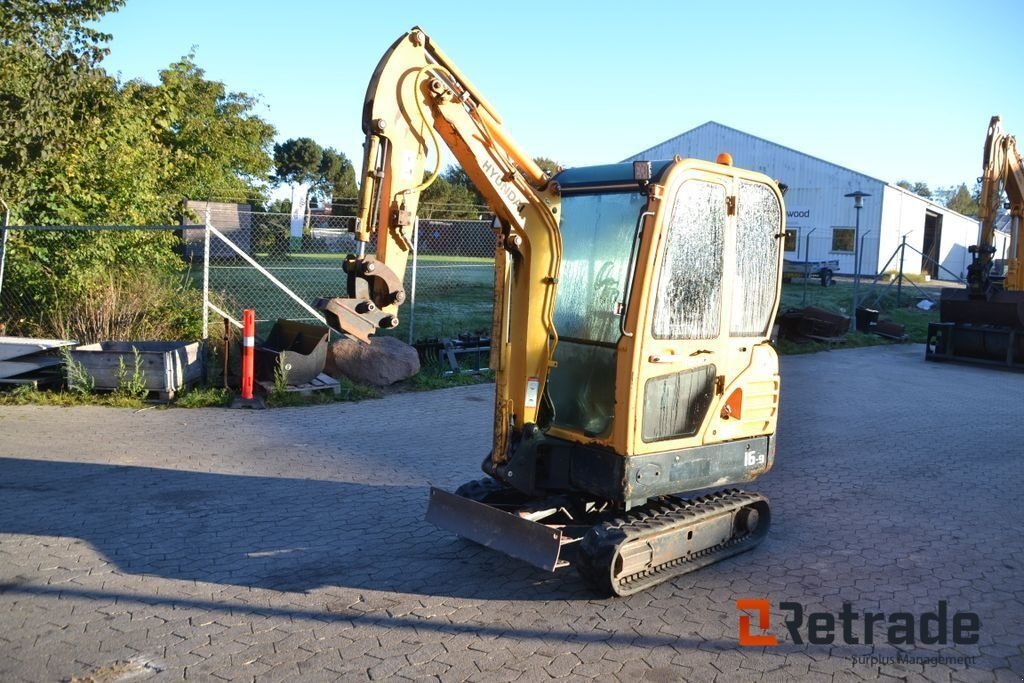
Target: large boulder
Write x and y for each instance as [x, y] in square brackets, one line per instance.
[384, 361]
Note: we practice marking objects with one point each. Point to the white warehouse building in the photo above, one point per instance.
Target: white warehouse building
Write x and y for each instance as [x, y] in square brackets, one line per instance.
[820, 219]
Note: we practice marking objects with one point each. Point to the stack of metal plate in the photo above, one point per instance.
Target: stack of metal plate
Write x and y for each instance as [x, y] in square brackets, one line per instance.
[36, 362]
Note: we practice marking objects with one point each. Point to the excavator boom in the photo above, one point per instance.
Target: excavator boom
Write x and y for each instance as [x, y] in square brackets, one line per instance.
[416, 101]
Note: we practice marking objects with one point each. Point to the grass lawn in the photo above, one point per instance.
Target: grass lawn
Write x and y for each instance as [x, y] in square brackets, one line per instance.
[453, 294]
[881, 298]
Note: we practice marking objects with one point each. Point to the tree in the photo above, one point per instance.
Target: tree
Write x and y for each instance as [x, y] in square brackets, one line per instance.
[962, 202]
[297, 160]
[50, 88]
[57, 27]
[68, 150]
[338, 173]
[327, 172]
[919, 188]
[217, 146]
[446, 199]
[77, 147]
[456, 175]
[547, 165]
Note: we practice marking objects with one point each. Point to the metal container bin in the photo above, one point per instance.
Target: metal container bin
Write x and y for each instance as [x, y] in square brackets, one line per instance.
[168, 367]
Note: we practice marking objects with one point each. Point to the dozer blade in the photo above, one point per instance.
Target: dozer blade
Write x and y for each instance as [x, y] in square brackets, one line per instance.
[489, 526]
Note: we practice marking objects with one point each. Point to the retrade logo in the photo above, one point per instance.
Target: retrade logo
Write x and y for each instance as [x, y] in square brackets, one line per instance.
[763, 608]
[855, 627]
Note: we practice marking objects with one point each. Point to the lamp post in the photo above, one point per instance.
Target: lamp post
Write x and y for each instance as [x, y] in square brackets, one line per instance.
[858, 204]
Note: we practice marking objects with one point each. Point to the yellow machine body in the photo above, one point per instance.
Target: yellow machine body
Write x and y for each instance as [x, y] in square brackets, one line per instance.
[632, 310]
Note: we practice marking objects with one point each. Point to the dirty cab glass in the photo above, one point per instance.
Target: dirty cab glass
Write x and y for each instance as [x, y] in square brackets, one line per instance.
[689, 297]
[597, 231]
[758, 221]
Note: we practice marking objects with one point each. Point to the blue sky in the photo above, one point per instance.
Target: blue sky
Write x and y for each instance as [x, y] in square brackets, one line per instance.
[892, 89]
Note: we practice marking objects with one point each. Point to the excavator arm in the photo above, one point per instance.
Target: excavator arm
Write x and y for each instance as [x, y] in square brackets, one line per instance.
[416, 101]
[1002, 170]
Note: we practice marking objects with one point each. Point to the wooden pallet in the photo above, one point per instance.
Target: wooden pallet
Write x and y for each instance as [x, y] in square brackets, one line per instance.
[322, 382]
[829, 342]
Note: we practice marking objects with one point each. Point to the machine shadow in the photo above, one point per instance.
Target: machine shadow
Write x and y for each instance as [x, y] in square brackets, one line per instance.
[262, 532]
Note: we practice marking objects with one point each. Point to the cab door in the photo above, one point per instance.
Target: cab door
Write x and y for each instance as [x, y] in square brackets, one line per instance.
[712, 295]
[750, 387]
[683, 354]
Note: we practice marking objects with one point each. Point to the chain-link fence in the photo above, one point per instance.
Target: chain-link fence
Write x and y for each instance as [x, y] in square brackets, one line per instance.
[934, 259]
[93, 282]
[111, 282]
[97, 283]
[899, 286]
[814, 259]
[275, 267]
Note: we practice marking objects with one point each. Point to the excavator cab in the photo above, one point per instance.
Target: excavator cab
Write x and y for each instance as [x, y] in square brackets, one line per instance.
[665, 297]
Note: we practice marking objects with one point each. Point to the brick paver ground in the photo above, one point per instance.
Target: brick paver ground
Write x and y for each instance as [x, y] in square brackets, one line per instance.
[289, 544]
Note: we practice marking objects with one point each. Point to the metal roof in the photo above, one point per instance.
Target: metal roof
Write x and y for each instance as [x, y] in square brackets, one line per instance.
[755, 137]
[715, 124]
[934, 203]
[584, 177]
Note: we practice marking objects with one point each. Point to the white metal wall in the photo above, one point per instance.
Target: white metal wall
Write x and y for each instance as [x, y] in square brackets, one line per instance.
[814, 212]
[1001, 241]
[904, 213]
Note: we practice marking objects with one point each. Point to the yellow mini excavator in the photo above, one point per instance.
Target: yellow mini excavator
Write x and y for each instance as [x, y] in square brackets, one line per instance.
[632, 308]
[984, 323]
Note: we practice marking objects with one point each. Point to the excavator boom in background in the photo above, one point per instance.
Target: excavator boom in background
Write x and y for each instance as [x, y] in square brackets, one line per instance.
[632, 306]
[984, 323]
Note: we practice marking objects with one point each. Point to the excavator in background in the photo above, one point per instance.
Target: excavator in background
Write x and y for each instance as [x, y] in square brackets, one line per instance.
[630, 349]
[984, 323]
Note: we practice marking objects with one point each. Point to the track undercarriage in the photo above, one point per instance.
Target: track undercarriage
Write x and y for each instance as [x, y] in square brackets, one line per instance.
[616, 553]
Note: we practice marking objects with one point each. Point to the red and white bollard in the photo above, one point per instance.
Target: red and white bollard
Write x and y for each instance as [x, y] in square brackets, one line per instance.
[248, 351]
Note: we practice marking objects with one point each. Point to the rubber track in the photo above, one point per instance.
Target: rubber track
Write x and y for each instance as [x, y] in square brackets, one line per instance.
[599, 547]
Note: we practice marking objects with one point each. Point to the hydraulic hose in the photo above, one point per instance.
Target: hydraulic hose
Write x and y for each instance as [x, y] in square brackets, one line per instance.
[433, 133]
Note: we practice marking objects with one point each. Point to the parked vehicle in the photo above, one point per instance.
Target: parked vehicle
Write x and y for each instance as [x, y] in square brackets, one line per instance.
[823, 270]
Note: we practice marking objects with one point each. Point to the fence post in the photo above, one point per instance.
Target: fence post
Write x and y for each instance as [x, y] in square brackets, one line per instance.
[3, 241]
[807, 261]
[899, 276]
[206, 275]
[412, 283]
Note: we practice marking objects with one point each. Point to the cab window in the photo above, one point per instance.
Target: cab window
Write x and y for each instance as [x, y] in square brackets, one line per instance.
[689, 300]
